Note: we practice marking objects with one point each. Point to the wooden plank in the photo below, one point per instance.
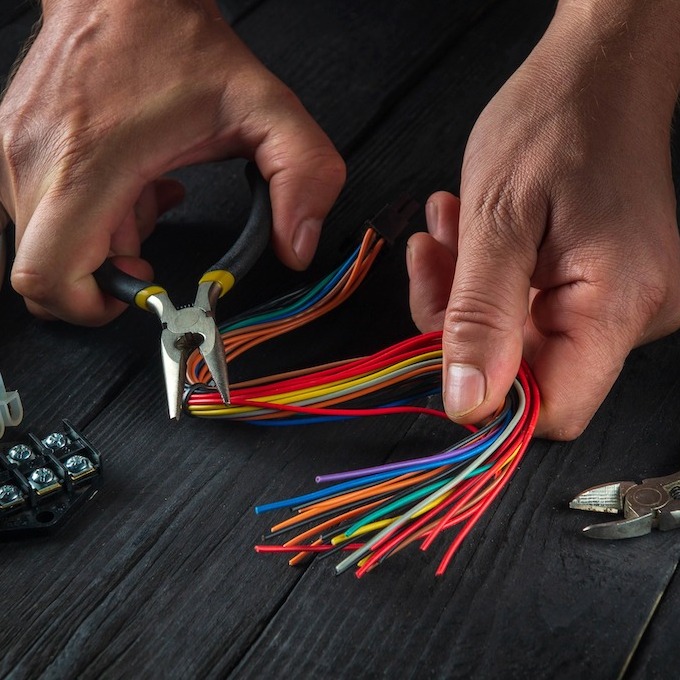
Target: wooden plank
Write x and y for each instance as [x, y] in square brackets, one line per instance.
[10, 10]
[14, 31]
[658, 655]
[158, 576]
[233, 10]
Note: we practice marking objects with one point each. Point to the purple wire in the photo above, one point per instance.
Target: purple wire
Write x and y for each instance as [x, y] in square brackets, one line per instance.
[352, 474]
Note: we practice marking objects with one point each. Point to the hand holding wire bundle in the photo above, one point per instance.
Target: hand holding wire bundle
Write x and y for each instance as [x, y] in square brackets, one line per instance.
[378, 511]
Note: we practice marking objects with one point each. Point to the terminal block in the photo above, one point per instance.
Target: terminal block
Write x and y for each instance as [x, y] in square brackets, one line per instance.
[43, 481]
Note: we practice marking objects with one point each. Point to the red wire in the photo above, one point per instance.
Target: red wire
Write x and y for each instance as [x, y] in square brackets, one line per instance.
[521, 436]
[404, 350]
[342, 412]
[533, 406]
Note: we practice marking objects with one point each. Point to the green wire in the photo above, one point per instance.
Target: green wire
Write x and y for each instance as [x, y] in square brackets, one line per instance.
[280, 313]
[395, 505]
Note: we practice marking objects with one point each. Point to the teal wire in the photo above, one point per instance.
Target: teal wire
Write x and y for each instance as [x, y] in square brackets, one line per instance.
[280, 313]
[406, 500]
[316, 293]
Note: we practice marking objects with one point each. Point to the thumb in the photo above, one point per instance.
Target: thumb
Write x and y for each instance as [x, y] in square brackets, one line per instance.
[305, 175]
[484, 321]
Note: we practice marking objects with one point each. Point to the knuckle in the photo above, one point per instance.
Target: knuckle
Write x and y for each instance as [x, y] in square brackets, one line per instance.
[426, 318]
[15, 142]
[508, 216]
[318, 168]
[32, 285]
[468, 312]
[325, 167]
[25, 144]
[637, 295]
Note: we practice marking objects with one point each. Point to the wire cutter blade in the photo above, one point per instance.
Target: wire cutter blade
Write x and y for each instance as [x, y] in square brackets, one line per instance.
[652, 504]
[190, 328]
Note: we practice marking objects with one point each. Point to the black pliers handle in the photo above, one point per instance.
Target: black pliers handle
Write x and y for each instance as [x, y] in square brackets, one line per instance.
[194, 327]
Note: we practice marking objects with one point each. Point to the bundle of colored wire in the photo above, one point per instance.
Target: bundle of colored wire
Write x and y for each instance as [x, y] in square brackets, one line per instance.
[376, 512]
[384, 383]
[296, 309]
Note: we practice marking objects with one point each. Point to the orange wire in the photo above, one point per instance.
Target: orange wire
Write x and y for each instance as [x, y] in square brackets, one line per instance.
[237, 342]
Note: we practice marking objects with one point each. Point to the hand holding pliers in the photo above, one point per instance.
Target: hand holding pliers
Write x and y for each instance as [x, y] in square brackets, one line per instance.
[654, 503]
[194, 327]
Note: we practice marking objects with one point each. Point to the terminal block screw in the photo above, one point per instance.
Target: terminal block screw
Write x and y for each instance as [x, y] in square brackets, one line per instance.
[9, 493]
[77, 464]
[20, 453]
[55, 441]
[42, 476]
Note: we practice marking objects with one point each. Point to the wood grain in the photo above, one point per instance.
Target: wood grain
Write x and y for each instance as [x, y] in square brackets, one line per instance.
[157, 577]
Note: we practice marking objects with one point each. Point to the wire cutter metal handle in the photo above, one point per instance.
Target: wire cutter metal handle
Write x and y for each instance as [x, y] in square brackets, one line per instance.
[652, 504]
[194, 327]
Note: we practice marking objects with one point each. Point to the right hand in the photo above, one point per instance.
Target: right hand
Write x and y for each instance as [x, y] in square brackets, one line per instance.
[564, 246]
[112, 95]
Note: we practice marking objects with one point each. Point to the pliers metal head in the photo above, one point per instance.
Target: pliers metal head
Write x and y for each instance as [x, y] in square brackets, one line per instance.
[652, 504]
[185, 330]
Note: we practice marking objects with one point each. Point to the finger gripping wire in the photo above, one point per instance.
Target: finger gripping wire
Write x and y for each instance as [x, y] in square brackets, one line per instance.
[374, 513]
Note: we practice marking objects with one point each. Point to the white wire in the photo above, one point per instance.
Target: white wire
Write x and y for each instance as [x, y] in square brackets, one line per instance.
[355, 556]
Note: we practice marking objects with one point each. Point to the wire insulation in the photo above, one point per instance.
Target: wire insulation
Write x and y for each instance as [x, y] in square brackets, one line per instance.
[375, 512]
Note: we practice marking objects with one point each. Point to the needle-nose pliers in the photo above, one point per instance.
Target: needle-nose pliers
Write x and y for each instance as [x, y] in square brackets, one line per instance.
[194, 326]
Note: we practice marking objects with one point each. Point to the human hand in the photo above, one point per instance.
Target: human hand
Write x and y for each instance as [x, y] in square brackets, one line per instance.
[565, 244]
[111, 95]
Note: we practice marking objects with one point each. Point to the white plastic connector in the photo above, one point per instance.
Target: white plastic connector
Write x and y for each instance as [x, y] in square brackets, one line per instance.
[11, 408]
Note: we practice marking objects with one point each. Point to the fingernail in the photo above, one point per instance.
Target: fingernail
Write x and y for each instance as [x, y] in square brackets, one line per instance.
[409, 256]
[306, 239]
[464, 390]
[432, 216]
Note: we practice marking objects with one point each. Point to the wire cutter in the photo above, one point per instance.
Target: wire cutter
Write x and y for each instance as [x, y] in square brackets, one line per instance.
[654, 503]
[194, 327]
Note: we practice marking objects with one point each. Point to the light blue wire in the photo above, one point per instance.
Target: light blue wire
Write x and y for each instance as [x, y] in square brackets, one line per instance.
[317, 292]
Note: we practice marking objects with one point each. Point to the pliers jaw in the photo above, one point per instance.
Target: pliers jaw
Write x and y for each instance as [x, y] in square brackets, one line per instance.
[185, 330]
[654, 503]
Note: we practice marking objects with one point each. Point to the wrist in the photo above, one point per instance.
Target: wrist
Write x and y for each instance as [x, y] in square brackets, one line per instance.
[636, 42]
[612, 57]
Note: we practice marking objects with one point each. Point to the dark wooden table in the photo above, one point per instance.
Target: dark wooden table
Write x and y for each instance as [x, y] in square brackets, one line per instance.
[157, 576]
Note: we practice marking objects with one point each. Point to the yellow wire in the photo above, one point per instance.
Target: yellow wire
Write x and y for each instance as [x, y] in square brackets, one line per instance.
[307, 393]
[366, 529]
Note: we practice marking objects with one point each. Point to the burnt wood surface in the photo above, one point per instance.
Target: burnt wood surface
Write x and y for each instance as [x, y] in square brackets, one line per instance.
[157, 576]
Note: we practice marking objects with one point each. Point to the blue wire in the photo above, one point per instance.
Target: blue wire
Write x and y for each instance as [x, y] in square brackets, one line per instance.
[377, 477]
[320, 290]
